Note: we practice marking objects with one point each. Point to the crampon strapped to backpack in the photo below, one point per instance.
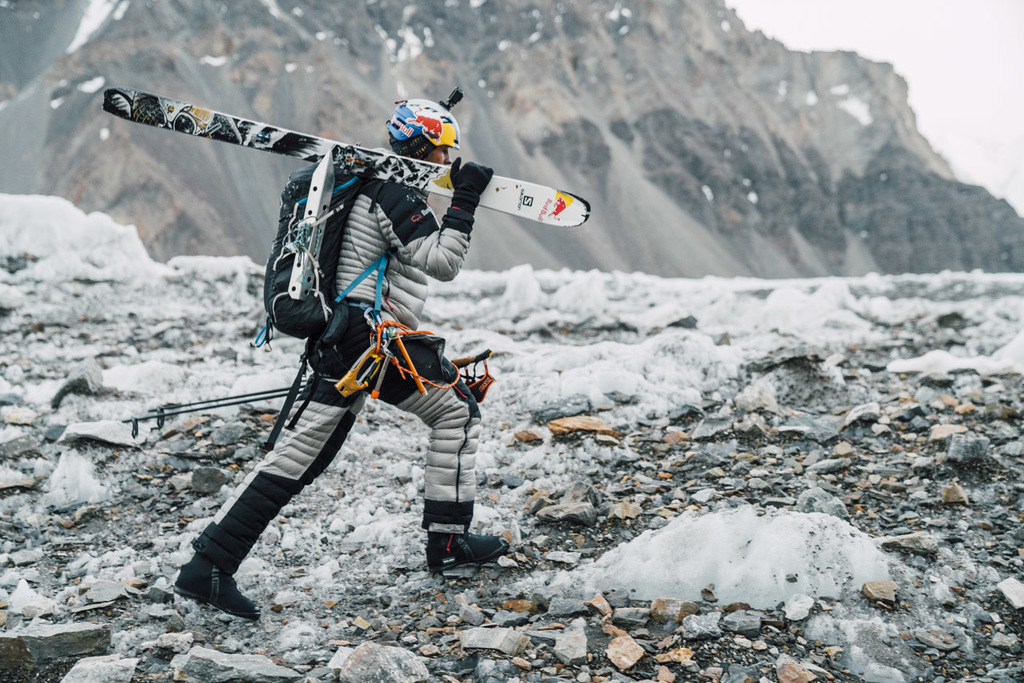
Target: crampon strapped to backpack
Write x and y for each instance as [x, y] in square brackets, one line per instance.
[299, 284]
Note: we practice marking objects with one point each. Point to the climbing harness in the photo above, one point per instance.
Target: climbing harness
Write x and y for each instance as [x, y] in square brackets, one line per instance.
[375, 361]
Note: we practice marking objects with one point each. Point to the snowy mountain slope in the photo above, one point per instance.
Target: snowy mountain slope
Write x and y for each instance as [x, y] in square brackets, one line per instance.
[731, 398]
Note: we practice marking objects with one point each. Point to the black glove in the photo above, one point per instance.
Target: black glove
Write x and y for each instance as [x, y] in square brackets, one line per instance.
[467, 183]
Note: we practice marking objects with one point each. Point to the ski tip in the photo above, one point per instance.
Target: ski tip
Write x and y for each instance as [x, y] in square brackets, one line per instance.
[118, 101]
[585, 211]
[571, 210]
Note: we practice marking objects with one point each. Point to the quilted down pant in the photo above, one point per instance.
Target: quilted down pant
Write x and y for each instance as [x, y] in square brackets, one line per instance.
[305, 451]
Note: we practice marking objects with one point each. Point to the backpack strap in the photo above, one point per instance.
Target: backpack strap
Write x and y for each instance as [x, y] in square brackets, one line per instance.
[379, 265]
[289, 400]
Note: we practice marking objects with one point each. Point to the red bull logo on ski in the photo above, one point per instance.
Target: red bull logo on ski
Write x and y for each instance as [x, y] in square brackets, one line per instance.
[552, 208]
[562, 201]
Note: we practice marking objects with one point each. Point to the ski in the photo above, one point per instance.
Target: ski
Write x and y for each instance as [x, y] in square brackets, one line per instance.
[516, 197]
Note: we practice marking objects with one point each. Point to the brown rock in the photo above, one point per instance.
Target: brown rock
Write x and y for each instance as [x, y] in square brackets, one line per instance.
[610, 629]
[574, 513]
[522, 606]
[624, 652]
[953, 494]
[881, 591]
[529, 436]
[735, 607]
[600, 605]
[941, 432]
[522, 663]
[673, 438]
[581, 423]
[625, 510]
[666, 610]
[792, 671]
[678, 655]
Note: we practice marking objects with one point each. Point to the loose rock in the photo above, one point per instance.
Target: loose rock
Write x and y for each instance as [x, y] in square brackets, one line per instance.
[919, 543]
[373, 662]
[506, 640]
[106, 669]
[1013, 591]
[202, 664]
[882, 591]
[38, 643]
[624, 652]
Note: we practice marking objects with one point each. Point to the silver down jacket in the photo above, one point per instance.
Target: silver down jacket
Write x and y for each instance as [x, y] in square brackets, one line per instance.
[391, 217]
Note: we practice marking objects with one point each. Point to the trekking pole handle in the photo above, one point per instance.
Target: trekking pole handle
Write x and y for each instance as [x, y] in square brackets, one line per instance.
[469, 360]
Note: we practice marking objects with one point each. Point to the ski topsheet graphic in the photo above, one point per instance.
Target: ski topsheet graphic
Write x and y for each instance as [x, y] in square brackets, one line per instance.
[527, 200]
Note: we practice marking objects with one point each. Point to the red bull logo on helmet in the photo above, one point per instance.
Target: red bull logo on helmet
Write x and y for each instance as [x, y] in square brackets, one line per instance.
[432, 127]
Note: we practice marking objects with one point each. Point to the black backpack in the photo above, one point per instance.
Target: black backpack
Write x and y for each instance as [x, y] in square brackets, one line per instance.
[306, 318]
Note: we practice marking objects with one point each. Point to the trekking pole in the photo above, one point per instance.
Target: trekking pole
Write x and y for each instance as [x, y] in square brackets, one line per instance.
[254, 396]
[161, 413]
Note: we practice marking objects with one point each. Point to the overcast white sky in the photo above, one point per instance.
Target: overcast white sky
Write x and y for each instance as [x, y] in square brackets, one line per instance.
[963, 61]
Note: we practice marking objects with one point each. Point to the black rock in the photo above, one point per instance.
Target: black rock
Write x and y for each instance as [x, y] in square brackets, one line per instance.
[207, 480]
[513, 481]
[22, 447]
[687, 323]
[228, 434]
[54, 432]
[569, 407]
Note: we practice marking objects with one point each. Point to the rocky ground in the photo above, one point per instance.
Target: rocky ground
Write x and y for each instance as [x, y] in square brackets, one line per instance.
[95, 524]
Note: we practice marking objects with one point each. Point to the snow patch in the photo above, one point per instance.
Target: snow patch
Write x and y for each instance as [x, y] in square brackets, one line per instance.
[412, 46]
[74, 482]
[1007, 359]
[96, 14]
[149, 378]
[275, 10]
[746, 554]
[24, 597]
[209, 60]
[618, 12]
[68, 244]
[92, 85]
[858, 109]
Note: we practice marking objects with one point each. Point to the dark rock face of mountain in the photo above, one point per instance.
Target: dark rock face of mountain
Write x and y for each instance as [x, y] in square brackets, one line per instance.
[704, 148]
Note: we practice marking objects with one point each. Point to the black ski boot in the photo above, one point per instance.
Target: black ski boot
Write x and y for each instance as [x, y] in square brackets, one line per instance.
[204, 582]
[445, 551]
